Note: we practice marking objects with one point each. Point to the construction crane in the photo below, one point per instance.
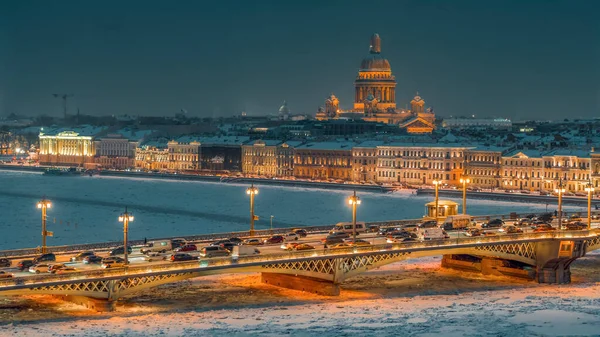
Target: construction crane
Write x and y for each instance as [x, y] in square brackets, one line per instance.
[64, 98]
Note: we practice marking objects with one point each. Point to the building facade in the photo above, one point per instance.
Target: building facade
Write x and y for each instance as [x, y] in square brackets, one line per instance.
[324, 161]
[114, 151]
[67, 148]
[364, 162]
[183, 156]
[483, 166]
[152, 157]
[420, 164]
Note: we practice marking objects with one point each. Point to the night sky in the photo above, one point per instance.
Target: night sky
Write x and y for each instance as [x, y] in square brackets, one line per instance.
[515, 59]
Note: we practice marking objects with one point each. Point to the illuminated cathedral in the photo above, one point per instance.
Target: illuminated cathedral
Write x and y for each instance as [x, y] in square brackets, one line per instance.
[375, 97]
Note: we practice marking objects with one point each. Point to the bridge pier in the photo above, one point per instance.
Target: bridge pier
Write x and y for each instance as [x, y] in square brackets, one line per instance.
[486, 266]
[100, 305]
[302, 283]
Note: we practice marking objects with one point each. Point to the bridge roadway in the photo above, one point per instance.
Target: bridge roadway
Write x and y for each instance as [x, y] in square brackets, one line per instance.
[548, 254]
[137, 258]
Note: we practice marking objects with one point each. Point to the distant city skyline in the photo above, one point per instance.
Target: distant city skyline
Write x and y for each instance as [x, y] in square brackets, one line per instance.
[512, 59]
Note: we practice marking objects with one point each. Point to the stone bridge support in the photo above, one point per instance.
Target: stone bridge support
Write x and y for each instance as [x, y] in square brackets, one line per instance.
[550, 262]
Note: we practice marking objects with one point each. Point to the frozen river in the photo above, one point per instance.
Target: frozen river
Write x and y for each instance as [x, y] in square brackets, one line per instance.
[85, 209]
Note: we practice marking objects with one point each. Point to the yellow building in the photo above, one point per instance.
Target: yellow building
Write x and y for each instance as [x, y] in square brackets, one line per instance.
[68, 148]
[364, 162]
[151, 157]
[420, 164]
[269, 158]
[324, 161]
[183, 154]
[483, 166]
[572, 166]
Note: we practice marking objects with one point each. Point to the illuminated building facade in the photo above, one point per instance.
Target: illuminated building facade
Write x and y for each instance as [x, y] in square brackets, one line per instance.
[420, 164]
[483, 166]
[67, 148]
[152, 157]
[364, 162]
[115, 151]
[270, 158]
[183, 155]
[324, 161]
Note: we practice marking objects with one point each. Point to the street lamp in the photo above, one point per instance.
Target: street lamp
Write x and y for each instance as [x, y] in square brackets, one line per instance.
[436, 183]
[125, 218]
[272, 216]
[252, 191]
[464, 182]
[560, 190]
[590, 190]
[354, 201]
[44, 204]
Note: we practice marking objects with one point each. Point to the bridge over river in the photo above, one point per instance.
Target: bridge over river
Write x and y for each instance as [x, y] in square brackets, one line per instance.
[544, 257]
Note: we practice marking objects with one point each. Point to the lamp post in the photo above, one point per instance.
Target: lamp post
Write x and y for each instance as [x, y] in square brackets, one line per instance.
[44, 204]
[464, 182]
[437, 183]
[252, 191]
[590, 189]
[125, 218]
[560, 190]
[272, 216]
[354, 201]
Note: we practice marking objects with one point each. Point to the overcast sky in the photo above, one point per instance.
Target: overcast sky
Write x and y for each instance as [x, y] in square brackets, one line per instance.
[517, 59]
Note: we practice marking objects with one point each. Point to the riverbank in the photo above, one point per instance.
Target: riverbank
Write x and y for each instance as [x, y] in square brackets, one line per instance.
[450, 193]
[222, 179]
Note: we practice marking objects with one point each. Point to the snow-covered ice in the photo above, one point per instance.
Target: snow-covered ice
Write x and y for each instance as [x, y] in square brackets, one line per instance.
[85, 209]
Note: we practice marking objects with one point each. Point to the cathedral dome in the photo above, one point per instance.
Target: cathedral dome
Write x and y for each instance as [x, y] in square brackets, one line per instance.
[284, 108]
[374, 61]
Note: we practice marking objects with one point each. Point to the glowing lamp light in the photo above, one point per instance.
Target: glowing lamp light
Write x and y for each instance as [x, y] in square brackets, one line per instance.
[122, 218]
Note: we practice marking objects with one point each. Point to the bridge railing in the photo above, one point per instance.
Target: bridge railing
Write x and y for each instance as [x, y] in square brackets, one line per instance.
[242, 261]
[65, 249]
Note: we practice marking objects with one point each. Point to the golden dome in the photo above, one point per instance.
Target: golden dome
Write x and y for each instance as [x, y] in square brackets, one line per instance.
[374, 61]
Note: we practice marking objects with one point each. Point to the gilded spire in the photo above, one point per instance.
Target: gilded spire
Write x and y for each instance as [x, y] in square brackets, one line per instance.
[375, 47]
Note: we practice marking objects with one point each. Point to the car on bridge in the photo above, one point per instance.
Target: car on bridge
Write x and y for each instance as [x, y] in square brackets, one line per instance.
[4, 263]
[236, 241]
[112, 262]
[182, 257]
[543, 228]
[175, 243]
[428, 224]
[496, 223]
[214, 251]
[66, 270]
[357, 242]
[53, 268]
[337, 237]
[303, 246]
[510, 229]
[412, 227]
[300, 232]
[120, 251]
[290, 237]
[187, 248]
[39, 268]
[473, 232]
[289, 245]
[575, 226]
[81, 256]
[253, 242]
[24, 264]
[92, 259]
[274, 239]
[48, 257]
[5, 274]
[220, 242]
